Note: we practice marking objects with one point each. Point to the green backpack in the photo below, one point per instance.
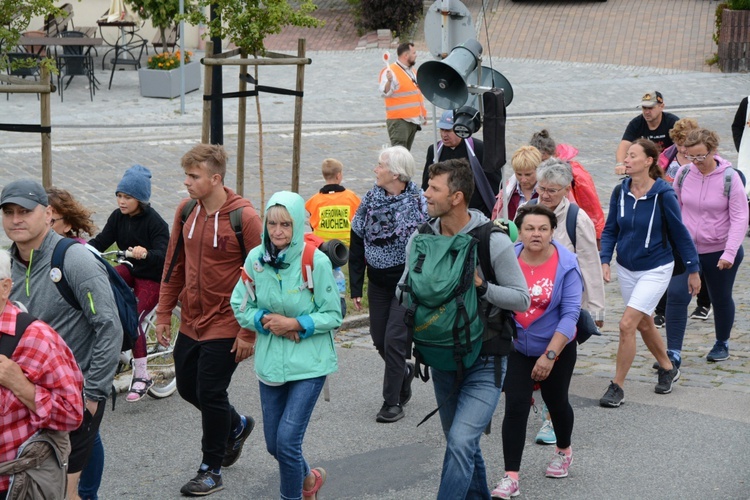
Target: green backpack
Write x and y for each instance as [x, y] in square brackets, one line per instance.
[441, 299]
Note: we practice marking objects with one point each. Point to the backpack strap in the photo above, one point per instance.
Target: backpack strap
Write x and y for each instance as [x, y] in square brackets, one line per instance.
[308, 256]
[235, 219]
[682, 175]
[8, 343]
[58, 262]
[570, 223]
[186, 210]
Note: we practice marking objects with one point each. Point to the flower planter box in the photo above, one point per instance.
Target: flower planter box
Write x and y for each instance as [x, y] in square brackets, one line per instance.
[166, 84]
[734, 41]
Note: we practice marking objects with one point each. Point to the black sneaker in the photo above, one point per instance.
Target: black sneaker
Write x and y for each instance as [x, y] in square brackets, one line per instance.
[701, 313]
[205, 483]
[388, 414]
[666, 379]
[659, 320]
[234, 445]
[405, 395]
[614, 396]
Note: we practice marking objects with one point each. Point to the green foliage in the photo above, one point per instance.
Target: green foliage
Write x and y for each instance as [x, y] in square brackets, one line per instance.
[398, 16]
[717, 22]
[15, 16]
[247, 23]
[162, 13]
[738, 4]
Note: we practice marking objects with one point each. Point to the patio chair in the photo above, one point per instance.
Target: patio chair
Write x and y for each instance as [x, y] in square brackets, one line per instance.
[23, 72]
[128, 52]
[75, 61]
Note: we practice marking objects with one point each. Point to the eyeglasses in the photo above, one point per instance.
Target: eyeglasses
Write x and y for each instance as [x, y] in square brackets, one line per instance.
[551, 192]
[696, 158]
[53, 221]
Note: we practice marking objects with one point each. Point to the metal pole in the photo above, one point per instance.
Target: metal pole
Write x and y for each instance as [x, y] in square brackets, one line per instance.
[182, 60]
[217, 108]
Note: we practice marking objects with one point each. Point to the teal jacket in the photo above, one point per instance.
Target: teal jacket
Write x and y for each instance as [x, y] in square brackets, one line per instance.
[278, 359]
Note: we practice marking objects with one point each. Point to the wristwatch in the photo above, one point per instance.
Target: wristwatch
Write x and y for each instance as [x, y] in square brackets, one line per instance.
[482, 289]
[551, 355]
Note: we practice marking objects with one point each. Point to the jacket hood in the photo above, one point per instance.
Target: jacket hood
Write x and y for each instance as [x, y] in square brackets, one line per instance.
[477, 219]
[295, 205]
[566, 152]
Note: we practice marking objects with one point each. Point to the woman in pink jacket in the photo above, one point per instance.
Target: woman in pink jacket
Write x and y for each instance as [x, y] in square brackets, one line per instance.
[715, 212]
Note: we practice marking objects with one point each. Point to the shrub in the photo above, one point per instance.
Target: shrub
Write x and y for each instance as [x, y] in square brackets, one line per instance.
[395, 15]
[738, 4]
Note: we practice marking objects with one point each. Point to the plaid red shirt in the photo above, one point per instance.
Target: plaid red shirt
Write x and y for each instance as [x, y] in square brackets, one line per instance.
[48, 363]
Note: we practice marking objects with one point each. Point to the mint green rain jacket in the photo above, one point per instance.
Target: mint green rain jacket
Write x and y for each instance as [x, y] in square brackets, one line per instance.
[278, 359]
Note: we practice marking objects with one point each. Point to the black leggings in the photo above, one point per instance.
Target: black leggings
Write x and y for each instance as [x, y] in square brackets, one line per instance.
[518, 391]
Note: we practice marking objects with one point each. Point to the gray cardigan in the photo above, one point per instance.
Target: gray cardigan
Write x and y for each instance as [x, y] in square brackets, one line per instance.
[94, 334]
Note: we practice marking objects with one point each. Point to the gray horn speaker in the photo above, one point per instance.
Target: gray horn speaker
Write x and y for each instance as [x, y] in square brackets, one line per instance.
[443, 83]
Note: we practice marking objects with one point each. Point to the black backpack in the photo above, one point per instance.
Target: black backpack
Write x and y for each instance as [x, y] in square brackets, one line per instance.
[8, 343]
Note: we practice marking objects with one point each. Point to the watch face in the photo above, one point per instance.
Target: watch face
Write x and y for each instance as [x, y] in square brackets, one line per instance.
[551, 355]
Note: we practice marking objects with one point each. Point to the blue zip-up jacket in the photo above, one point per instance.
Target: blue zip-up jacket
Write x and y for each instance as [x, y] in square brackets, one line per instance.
[562, 313]
[635, 227]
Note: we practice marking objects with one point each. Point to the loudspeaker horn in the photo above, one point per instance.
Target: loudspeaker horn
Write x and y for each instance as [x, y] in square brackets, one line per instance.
[443, 83]
[490, 79]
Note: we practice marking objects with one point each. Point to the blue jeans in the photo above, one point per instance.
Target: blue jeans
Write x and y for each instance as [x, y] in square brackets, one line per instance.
[91, 477]
[464, 416]
[286, 413]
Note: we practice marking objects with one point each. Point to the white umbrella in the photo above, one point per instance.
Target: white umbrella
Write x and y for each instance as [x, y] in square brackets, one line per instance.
[118, 12]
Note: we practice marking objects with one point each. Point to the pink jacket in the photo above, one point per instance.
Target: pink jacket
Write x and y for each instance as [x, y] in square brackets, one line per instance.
[715, 222]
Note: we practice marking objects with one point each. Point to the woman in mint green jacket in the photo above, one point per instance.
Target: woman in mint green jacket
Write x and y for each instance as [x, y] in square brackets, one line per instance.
[294, 350]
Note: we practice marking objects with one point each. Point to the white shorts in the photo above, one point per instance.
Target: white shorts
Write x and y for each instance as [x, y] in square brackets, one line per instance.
[642, 290]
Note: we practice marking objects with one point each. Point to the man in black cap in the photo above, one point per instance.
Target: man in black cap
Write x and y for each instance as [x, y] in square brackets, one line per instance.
[652, 124]
[93, 332]
[450, 147]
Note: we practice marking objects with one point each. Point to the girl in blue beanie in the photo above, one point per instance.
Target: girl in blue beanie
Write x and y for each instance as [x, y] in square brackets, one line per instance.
[137, 227]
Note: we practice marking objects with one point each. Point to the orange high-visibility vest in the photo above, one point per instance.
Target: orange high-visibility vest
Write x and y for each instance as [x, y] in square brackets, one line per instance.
[406, 102]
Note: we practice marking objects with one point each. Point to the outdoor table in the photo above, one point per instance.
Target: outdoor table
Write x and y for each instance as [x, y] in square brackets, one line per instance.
[123, 27]
[50, 41]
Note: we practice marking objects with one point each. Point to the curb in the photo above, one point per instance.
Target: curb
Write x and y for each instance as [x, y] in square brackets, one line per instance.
[358, 321]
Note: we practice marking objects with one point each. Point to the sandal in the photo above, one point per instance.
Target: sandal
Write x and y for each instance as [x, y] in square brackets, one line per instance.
[320, 478]
[136, 394]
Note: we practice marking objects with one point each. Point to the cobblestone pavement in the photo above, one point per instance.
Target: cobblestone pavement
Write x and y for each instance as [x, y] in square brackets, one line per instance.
[655, 33]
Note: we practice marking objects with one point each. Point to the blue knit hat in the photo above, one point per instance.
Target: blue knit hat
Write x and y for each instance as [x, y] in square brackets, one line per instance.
[136, 183]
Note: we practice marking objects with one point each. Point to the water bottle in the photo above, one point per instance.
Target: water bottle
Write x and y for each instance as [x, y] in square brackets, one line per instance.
[338, 275]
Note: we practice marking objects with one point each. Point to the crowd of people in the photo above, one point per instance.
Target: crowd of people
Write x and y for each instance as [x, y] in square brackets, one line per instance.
[252, 285]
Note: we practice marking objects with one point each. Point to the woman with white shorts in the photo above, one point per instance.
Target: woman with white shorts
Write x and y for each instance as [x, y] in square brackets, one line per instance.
[643, 223]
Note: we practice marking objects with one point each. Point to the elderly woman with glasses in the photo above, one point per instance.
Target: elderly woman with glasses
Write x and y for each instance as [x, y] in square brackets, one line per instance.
[714, 208]
[389, 213]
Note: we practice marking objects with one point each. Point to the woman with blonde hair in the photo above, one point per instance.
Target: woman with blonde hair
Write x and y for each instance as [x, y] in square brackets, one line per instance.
[521, 188]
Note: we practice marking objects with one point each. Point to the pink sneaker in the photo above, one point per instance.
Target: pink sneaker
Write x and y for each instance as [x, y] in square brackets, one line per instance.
[558, 467]
[506, 489]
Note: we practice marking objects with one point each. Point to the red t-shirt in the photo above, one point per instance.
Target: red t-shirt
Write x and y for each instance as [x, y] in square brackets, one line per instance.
[541, 280]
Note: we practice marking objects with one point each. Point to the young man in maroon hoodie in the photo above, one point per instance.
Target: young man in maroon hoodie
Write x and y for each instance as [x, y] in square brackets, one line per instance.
[202, 266]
